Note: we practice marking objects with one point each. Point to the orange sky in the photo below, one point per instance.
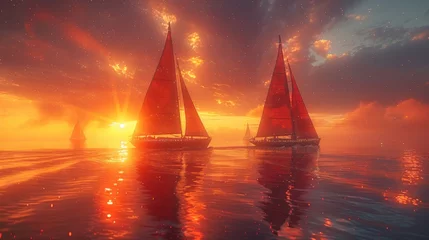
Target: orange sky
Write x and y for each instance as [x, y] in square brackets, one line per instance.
[93, 63]
[401, 125]
[20, 132]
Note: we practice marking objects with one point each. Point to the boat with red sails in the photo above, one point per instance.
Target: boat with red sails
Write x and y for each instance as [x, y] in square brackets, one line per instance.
[159, 124]
[285, 120]
[77, 138]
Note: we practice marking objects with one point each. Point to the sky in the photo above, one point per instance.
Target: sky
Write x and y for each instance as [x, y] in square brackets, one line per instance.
[362, 66]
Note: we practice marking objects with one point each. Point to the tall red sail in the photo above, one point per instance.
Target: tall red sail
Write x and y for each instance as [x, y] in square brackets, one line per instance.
[276, 116]
[77, 133]
[160, 111]
[194, 125]
[302, 122]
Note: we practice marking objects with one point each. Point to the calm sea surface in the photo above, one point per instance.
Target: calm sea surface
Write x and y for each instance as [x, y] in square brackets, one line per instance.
[222, 193]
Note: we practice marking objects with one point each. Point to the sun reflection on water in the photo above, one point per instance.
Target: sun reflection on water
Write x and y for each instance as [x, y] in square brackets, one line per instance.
[411, 177]
[412, 165]
[402, 198]
[111, 202]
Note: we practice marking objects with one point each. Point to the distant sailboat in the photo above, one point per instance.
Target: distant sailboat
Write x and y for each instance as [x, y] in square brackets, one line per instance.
[159, 125]
[247, 135]
[284, 123]
[77, 135]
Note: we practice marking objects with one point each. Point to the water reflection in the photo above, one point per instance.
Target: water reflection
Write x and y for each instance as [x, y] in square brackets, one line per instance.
[160, 175]
[286, 174]
[190, 187]
[412, 168]
[411, 177]
[225, 194]
[117, 209]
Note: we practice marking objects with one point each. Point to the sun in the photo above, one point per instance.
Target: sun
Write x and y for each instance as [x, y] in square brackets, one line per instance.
[120, 125]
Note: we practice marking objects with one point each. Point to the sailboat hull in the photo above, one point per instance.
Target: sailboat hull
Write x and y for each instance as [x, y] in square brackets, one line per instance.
[171, 143]
[77, 143]
[284, 142]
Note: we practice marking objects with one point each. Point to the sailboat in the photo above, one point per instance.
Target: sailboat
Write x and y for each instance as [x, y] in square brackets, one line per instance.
[247, 135]
[284, 122]
[159, 125]
[77, 135]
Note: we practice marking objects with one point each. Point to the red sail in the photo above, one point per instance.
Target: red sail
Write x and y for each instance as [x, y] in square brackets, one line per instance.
[194, 125]
[302, 122]
[77, 133]
[160, 111]
[276, 116]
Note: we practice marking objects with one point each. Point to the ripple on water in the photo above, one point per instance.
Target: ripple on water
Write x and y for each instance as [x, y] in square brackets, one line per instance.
[216, 194]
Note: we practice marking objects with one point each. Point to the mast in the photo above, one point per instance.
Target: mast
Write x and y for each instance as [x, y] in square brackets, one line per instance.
[160, 112]
[291, 111]
[303, 126]
[194, 125]
[276, 117]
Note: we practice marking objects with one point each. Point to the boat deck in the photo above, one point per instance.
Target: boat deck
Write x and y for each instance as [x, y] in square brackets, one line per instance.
[278, 142]
[170, 143]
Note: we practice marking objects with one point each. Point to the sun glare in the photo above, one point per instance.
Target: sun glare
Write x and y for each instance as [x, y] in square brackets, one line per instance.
[118, 125]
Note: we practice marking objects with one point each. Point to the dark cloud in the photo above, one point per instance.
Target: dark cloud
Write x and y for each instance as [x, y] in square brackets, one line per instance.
[383, 74]
[387, 35]
[382, 34]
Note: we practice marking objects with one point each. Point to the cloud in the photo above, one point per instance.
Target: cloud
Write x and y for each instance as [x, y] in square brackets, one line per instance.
[373, 124]
[411, 111]
[330, 56]
[322, 47]
[47, 112]
[256, 112]
[51, 112]
[381, 34]
[69, 62]
[375, 73]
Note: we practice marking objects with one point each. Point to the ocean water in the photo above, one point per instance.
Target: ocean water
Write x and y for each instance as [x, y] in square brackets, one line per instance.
[221, 193]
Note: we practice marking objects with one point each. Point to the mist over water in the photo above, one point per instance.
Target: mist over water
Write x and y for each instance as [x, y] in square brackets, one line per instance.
[220, 193]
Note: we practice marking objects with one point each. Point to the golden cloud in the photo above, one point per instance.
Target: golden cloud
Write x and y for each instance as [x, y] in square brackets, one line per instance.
[196, 61]
[330, 56]
[228, 103]
[322, 47]
[194, 40]
[163, 17]
[123, 71]
[292, 49]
